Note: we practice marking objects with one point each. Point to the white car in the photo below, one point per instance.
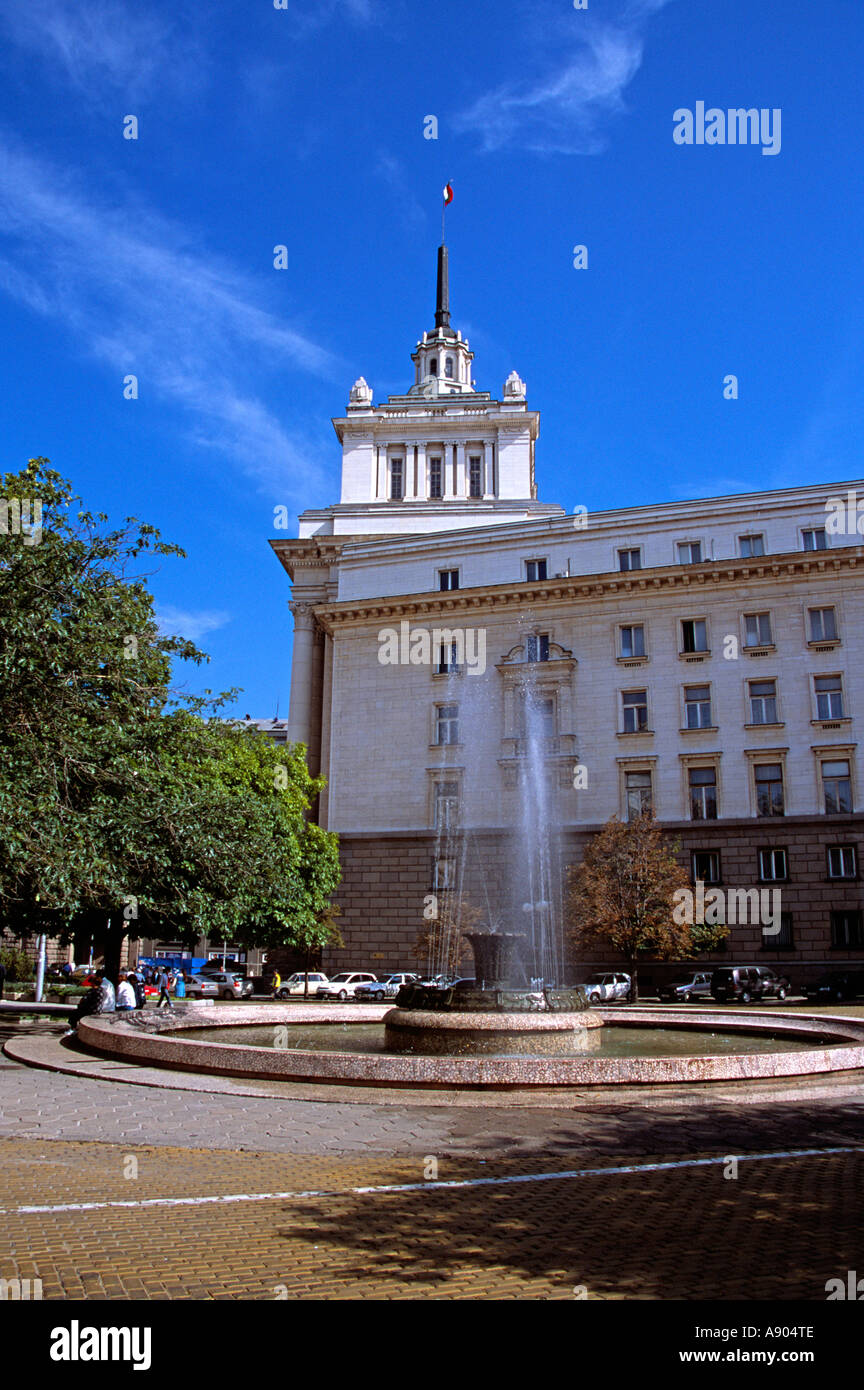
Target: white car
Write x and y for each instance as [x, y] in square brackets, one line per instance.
[384, 989]
[296, 984]
[606, 985]
[343, 986]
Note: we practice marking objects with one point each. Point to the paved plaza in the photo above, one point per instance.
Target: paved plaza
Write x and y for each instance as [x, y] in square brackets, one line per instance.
[121, 1191]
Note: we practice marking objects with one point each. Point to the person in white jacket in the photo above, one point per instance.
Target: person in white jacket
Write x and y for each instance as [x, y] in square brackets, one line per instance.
[125, 994]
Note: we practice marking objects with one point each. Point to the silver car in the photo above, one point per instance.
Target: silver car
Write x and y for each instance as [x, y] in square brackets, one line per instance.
[231, 986]
[379, 990]
[607, 985]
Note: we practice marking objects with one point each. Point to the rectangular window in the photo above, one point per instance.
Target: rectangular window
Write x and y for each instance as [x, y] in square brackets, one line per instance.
[749, 546]
[535, 571]
[436, 477]
[632, 640]
[823, 624]
[397, 483]
[705, 866]
[842, 861]
[778, 940]
[689, 552]
[757, 630]
[814, 538]
[475, 476]
[448, 579]
[697, 707]
[837, 788]
[447, 724]
[537, 646]
[703, 793]
[446, 805]
[694, 635]
[448, 659]
[846, 929]
[630, 559]
[769, 789]
[637, 790]
[635, 707]
[772, 865]
[829, 697]
[763, 702]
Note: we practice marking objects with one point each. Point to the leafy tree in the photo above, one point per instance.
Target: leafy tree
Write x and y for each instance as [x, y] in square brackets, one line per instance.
[119, 799]
[440, 945]
[621, 895]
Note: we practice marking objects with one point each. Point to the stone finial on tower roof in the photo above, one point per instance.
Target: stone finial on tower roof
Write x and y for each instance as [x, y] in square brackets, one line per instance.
[361, 394]
[514, 388]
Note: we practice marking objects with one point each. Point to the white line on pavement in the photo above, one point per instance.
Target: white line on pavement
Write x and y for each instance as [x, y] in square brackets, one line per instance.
[427, 1186]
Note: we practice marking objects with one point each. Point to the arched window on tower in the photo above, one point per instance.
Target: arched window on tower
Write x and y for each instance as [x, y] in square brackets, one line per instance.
[433, 365]
[448, 368]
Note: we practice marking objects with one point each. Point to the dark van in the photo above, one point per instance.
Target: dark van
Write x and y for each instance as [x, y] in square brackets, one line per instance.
[739, 984]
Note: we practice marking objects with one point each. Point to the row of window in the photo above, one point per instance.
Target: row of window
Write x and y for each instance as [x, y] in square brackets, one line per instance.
[750, 546]
[841, 862]
[697, 712]
[757, 631]
[435, 477]
[768, 789]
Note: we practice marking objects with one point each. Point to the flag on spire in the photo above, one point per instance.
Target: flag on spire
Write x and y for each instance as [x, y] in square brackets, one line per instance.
[448, 194]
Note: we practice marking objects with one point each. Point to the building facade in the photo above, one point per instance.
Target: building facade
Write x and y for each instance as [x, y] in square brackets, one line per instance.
[698, 657]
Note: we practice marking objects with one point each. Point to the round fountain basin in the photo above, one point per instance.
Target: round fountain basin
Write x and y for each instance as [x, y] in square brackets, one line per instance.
[490, 1034]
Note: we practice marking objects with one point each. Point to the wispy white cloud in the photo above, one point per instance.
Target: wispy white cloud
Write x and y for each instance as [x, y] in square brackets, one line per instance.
[565, 107]
[189, 623]
[144, 298]
[108, 42]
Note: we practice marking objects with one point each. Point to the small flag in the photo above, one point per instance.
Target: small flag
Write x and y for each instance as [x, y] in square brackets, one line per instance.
[448, 194]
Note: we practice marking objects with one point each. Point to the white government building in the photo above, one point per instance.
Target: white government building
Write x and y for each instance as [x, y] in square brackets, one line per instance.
[695, 656]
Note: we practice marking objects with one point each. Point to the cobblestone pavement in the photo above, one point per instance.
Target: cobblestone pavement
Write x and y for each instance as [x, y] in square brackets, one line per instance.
[780, 1229]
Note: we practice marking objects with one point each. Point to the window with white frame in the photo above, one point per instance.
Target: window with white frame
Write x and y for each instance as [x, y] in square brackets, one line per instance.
[837, 787]
[637, 793]
[763, 702]
[448, 659]
[814, 538]
[446, 724]
[448, 367]
[751, 545]
[535, 571]
[705, 866]
[694, 635]
[537, 646]
[772, 865]
[689, 552]
[781, 940]
[829, 696]
[822, 624]
[446, 805]
[842, 861]
[697, 707]
[846, 929]
[475, 475]
[397, 479]
[632, 640]
[769, 789]
[703, 793]
[443, 875]
[634, 710]
[448, 579]
[630, 558]
[436, 476]
[757, 630]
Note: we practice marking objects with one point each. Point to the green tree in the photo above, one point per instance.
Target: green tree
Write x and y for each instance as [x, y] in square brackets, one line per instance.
[120, 800]
[621, 895]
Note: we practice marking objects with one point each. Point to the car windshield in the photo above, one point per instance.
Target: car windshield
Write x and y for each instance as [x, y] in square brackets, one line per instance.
[597, 979]
[338, 979]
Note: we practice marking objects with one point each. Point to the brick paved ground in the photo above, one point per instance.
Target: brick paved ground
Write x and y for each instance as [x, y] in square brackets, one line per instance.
[779, 1230]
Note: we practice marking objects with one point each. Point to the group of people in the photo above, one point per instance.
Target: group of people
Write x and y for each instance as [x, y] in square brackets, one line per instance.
[130, 992]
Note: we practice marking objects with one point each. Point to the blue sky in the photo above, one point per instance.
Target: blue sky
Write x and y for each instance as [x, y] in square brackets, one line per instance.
[304, 127]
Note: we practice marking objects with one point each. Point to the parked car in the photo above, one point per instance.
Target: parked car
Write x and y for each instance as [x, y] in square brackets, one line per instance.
[198, 987]
[342, 986]
[230, 986]
[295, 984]
[743, 983]
[835, 986]
[383, 989]
[607, 985]
[686, 989]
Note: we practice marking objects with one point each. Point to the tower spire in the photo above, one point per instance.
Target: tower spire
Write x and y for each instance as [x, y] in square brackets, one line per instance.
[442, 295]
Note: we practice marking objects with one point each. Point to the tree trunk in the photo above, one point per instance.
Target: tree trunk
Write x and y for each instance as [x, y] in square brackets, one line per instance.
[634, 982]
[306, 977]
[113, 950]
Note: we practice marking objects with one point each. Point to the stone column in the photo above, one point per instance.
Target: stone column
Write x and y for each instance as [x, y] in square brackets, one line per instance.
[461, 486]
[422, 473]
[488, 472]
[302, 671]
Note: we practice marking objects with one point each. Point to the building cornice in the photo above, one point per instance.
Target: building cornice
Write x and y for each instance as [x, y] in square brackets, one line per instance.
[686, 580]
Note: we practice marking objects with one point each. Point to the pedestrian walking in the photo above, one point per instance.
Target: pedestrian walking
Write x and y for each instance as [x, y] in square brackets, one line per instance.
[277, 983]
[164, 983]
